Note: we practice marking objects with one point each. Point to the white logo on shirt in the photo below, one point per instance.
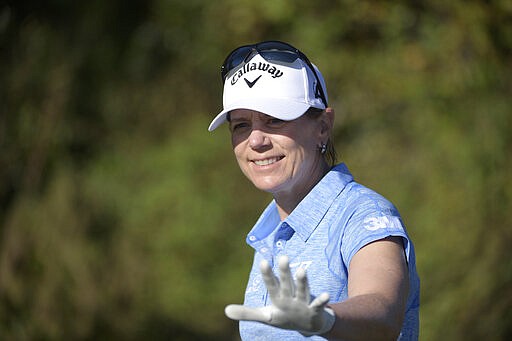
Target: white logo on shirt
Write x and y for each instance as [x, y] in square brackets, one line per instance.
[375, 223]
[255, 284]
[305, 265]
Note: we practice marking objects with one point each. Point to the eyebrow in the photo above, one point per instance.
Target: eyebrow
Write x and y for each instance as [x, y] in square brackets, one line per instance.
[236, 119]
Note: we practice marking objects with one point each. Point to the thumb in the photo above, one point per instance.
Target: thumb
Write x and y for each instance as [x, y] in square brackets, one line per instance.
[240, 312]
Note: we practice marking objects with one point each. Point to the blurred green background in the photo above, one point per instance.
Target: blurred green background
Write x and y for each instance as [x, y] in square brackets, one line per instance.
[122, 218]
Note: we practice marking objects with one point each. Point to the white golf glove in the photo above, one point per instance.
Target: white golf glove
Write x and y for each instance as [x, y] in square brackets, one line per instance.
[291, 307]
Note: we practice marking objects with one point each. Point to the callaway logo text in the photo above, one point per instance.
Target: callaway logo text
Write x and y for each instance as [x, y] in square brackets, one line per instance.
[272, 70]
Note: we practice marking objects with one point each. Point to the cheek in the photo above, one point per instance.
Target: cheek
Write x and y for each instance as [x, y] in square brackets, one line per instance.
[235, 144]
[238, 151]
[302, 145]
[238, 141]
[234, 141]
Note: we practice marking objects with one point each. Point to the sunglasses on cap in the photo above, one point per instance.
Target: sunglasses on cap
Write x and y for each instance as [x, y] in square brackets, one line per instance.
[270, 51]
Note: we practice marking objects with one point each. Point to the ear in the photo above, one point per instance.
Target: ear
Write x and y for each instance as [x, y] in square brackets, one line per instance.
[326, 120]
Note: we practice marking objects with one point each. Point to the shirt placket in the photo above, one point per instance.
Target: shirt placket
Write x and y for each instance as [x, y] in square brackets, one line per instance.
[284, 233]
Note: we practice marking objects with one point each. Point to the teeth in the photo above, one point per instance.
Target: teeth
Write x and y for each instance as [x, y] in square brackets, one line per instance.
[266, 161]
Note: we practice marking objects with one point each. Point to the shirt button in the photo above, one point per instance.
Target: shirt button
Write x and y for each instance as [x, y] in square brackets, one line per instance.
[252, 238]
[279, 244]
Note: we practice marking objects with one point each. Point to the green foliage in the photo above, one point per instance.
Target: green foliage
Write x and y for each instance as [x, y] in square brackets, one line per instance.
[121, 217]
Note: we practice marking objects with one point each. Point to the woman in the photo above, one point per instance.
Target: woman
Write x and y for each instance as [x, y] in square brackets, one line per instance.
[332, 257]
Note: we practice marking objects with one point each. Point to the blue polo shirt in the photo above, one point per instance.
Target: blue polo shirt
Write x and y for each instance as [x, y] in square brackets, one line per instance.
[322, 234]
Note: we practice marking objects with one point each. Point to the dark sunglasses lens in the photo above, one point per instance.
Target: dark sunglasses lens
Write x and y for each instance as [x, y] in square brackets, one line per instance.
[278, 51]
[279, 56]
[234, 59]
[274, 45]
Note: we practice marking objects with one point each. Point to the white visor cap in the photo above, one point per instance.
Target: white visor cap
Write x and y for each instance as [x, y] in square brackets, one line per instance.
[281, 90]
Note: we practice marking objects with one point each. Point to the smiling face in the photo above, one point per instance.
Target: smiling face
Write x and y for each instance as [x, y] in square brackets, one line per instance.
[279, 157]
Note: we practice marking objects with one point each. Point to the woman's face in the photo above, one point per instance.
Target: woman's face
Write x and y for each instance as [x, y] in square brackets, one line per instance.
[280, 157]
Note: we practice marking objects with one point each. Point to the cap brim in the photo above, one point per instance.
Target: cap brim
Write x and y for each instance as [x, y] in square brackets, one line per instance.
[283, 109]
[218, 120]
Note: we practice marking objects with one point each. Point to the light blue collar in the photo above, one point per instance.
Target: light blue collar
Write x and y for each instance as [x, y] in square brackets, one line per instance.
[305, 218]
[307, 215]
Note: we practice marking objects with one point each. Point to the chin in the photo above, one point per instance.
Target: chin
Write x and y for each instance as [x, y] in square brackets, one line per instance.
[266, 186]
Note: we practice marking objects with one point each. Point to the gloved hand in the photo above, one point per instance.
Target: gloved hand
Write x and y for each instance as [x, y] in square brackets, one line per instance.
[291, 307]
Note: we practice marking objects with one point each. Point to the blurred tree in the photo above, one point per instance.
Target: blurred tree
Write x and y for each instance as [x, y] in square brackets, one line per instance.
[122, 218]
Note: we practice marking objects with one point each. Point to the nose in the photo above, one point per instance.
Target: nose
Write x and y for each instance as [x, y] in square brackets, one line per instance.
[258, 139]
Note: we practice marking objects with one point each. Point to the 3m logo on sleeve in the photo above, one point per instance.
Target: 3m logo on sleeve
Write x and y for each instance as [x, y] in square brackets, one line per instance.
[376, 223]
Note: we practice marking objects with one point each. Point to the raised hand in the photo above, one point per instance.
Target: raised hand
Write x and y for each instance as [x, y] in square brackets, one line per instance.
[292, 307]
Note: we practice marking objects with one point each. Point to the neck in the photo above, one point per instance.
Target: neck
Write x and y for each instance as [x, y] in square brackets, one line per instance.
[287, 201]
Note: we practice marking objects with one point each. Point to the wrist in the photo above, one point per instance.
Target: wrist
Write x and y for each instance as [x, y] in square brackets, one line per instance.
[328, 318]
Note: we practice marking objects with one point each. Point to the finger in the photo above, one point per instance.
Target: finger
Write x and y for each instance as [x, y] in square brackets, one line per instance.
[271, 282]
[302, 285]
[240, 312]
[285, 278]
[320, 302]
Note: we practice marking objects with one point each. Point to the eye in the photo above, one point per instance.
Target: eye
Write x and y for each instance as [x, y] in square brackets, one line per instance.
[239, 125]
[275, 122]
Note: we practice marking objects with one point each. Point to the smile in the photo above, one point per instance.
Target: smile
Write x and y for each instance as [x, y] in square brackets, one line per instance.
[269, 161]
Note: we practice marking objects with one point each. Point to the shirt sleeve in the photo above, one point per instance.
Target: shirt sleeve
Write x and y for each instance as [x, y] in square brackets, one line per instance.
[373, 217]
